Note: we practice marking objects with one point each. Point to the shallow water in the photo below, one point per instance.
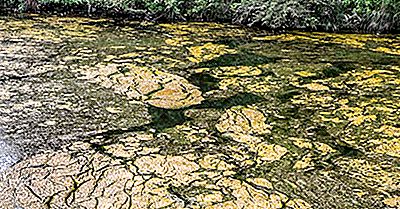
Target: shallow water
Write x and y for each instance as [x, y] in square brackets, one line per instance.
[108, 114]
[8, 156]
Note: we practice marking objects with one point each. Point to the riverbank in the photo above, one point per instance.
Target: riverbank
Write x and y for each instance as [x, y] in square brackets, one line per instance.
[382, 16]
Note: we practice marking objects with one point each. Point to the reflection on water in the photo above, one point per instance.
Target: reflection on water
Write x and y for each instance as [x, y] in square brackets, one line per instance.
[197, 115]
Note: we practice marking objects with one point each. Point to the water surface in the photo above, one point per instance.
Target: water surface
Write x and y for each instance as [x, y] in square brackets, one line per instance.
[118, 114]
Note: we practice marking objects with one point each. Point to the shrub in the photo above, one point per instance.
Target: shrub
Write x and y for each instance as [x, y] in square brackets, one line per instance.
[331, 15]
[327, 15]
[371, 15]
[282, 14]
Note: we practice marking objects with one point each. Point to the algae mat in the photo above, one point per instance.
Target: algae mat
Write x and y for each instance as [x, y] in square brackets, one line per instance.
[99, 113]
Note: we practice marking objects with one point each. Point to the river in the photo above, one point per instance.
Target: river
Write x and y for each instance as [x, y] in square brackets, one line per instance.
[102, 113]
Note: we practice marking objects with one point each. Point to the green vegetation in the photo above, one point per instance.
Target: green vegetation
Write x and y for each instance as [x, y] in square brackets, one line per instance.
[328, 15]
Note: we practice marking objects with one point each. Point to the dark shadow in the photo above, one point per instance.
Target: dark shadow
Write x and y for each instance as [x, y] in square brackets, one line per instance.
[204, 81]
[286, 94]
[241, 99]
[166, 118]
[349, 151]
[337, 68]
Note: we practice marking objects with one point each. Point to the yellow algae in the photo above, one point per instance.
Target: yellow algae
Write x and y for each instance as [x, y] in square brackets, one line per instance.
[60, 30]
[371, 82]
[130, 147]
[201, 70]
[237, 71]
[282, 37]
[298, 204]
[246, 78]
[373, 175]
[209, 199]
[343, 101]
[324, 148]
[175, 96]
[178, 41]
[129, 55]
[214, 162]
[389, 130]
[193, 133]
[350, 112]
[316, 87]
[353, 40]
[362, 118]
[305, 74]
[251, 141]
[208, 51]
[393, 202]
[395, 68]
[395, 82]
[243, 120]
[305, 162]
[150, 188]
[389, 147]
[270, 152]
[247, 196]
[259, 87]
[301, 143]
[360, 193]
[387, 50]
[261, 182]
[371, 78]
[356, 41]
[175, 167]
[173, 42]
[225, 83]
[370, 73]
[151, 86]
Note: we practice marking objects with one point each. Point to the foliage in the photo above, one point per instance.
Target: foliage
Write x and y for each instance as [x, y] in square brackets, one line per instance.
[356, 15]
[330, 15]
[281, 14]
[371, 15]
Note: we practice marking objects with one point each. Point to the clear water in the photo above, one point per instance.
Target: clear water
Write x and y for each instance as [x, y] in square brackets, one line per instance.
[119, 114]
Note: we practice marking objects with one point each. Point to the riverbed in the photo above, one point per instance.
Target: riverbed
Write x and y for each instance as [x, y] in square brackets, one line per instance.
[102, 113]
